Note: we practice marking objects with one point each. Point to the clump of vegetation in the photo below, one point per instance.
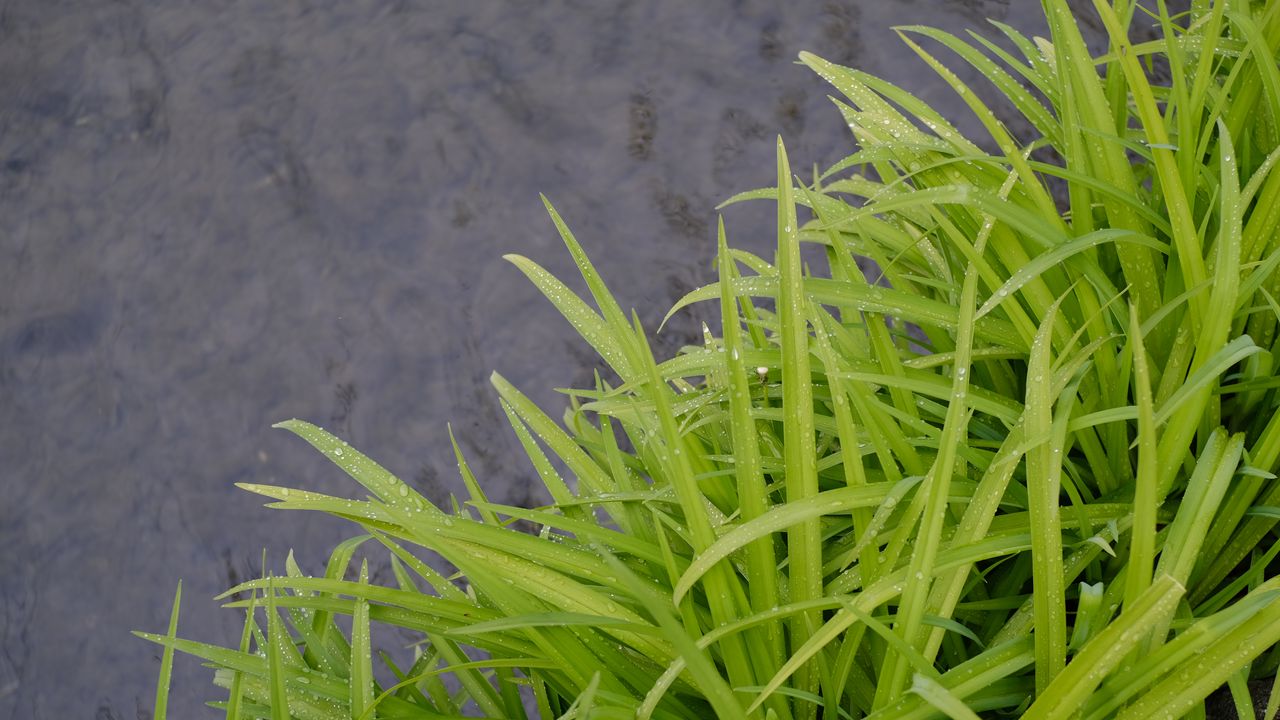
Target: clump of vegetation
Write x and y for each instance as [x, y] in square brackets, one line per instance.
[1026, 469]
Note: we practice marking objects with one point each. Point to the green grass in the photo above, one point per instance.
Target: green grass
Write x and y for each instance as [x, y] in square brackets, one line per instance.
[1028, 469]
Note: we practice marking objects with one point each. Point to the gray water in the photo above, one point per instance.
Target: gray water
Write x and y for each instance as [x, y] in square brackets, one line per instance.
[218, 214]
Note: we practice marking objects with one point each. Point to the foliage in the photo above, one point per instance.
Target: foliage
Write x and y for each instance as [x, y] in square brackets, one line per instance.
[1025, 468]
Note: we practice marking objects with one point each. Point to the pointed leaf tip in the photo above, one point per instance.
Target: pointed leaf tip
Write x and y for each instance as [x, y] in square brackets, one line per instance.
[293, 425]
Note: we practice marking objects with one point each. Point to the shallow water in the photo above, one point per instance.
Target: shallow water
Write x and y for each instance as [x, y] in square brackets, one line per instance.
[215, 215]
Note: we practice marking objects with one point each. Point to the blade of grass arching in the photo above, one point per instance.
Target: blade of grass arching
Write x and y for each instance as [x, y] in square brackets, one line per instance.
[1037, 69]
[613, 315]
[452, 536]
[761, 561]
[469, 479]
[921, 113]
[1022, 99]
[1043, 481]
[591, 476]
[161, 707]
[589, 325]
[410, 609]
[804, 542]
[1146, 497]
[551, 480]
[387, 487]
[1066, 695]
[1030, 184]
[244, 662]
[369, 513]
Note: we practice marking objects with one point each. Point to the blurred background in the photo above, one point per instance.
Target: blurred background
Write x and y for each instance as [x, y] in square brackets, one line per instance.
[218, 214]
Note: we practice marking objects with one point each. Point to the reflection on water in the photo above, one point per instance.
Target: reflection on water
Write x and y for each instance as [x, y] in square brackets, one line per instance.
[215, 215]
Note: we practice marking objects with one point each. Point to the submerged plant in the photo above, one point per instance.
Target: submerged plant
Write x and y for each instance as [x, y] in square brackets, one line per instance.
[1025, 469]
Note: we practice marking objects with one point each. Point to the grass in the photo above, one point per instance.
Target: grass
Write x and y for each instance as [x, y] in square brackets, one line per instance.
[1026, 469]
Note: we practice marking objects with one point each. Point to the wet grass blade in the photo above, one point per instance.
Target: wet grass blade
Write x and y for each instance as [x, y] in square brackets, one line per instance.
[1064, 697]
[361, 663]
[804, 549]
[1043, 473]
[161, 707]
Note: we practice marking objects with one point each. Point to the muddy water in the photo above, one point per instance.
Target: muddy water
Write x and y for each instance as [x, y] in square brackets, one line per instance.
[217, 214]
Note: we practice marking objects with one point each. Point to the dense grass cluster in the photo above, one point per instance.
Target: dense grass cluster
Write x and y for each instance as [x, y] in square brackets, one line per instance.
[1025, 469]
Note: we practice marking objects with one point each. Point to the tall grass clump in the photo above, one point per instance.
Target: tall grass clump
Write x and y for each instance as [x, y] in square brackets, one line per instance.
[1026, 468]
